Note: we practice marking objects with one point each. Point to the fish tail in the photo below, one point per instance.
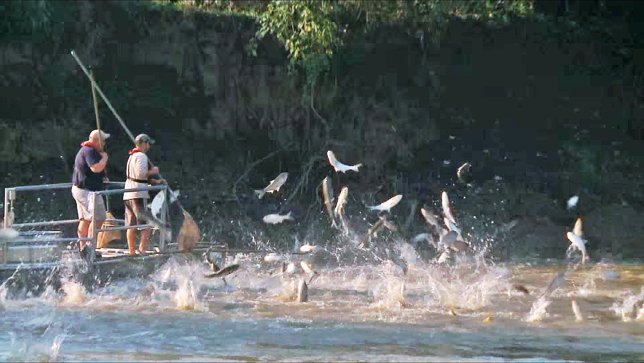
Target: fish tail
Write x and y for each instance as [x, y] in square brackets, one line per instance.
[356, 167]
[260, 193]
[289, 215]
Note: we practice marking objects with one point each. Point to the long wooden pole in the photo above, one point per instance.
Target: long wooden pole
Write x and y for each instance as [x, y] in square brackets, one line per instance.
[98, 89]
[98, 119]
[98, 127]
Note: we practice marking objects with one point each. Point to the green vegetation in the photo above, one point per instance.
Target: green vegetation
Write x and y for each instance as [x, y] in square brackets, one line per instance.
[313, 30]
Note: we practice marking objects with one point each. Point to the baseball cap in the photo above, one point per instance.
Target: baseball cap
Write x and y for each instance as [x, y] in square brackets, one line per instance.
[95, 133]
[143, 138]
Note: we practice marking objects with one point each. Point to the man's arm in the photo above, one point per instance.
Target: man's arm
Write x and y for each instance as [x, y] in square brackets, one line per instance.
[100, 165]
[153, 171]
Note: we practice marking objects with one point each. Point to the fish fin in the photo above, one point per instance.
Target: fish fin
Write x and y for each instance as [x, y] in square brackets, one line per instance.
[260, 193]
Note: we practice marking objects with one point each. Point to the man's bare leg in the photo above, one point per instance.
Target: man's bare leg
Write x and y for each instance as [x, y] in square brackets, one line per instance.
[131, 240]
[145, 237]
[82, 232]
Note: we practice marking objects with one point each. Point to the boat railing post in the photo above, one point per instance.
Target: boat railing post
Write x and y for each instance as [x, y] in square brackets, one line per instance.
[5, 224]
[164, 218]
[6, 209]
[93, 244]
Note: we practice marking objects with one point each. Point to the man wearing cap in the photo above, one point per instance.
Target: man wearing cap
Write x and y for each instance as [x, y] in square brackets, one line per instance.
[89, 167]
[139, 172]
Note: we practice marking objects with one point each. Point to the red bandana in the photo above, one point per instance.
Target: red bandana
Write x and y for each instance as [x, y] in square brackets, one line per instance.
[90, 144]
[134, 151]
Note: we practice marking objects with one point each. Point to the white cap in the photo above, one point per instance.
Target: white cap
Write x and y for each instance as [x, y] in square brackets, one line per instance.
[94, 134]
[143, 138]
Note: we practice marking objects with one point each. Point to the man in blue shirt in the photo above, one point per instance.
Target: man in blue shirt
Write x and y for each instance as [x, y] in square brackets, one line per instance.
[89, 167]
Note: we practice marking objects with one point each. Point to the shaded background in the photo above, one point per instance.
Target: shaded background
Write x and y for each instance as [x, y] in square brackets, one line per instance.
[544, 107]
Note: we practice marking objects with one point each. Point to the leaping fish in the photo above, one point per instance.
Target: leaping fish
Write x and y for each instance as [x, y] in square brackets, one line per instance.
[572, 202]
[447, 210]
[327, 193]
[453, 227]
[342, 200]
[434, 227]
[302, 291]
[309, 248]
[387, 205]
[577, 240]
[577, 229]
[578, 243]
[338, 166]
[277, 218]
[273, 186]
[575, 309]
[308, 269]
[372, 231]
[430, 218]
[224, 271]
[462, 171]
[554, 284]
[273, 257]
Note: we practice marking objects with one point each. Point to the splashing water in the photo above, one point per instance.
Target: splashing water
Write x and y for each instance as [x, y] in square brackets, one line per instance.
[363, 306]
[539, 310]
[631, 307]
[74, 293]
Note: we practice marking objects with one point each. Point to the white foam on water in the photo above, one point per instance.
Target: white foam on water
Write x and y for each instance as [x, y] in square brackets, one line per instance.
[629, 308]
[539, 310]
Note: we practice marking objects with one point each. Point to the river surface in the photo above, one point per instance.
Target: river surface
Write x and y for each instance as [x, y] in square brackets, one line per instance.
[467, 309]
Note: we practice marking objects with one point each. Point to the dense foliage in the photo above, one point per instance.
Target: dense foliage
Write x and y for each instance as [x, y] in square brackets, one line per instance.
[312, 30]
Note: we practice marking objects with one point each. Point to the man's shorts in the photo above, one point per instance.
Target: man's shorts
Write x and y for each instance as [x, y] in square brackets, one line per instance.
[85, 206]
[135, 211]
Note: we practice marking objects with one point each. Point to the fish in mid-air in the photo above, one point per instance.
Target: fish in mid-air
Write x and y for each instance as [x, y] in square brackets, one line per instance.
[342, 200]
[572, 202]
[387, 205]
[327, 194]
[577, 241]
[302, 291]
[277, 218]
[273, 186]
[372, 231]
[273, 257]
[338, 166]
[223, 271]
[309, 248]
[308, 269]
[447, 209]
[521, 288]
[575, 309]
[554, 284]
[463, 171]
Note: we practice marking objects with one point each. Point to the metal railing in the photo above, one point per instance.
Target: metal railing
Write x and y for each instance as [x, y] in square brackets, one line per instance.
[10, 196]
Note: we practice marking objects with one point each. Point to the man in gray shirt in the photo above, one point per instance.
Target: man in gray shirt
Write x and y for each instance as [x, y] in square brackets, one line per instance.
[139, 172]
